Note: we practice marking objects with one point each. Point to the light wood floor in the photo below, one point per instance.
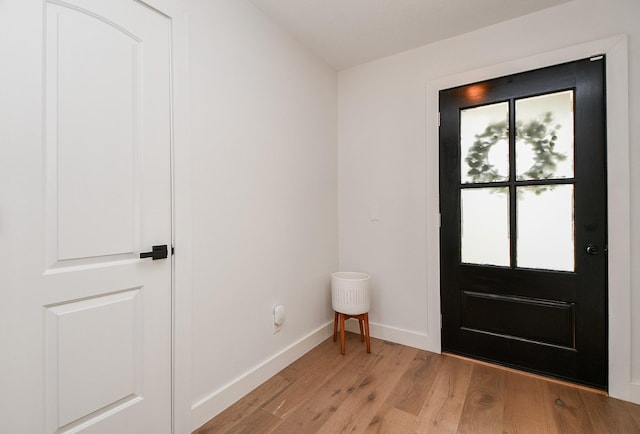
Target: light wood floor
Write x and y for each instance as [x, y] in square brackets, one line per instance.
[398, 389]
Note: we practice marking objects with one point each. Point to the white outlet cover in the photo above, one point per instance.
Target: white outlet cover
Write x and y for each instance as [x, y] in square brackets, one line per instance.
[278, 314]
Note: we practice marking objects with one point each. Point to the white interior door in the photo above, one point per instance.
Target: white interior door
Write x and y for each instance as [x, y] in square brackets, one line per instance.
[86, 187]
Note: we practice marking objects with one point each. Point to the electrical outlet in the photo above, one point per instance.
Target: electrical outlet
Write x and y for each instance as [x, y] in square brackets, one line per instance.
[278, 318]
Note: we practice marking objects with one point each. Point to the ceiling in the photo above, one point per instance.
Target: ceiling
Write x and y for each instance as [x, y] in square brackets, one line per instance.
[346, 33]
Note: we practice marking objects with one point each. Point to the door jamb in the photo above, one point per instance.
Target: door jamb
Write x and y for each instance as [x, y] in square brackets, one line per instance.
[618, 191]
[181, 285]
[181, 210]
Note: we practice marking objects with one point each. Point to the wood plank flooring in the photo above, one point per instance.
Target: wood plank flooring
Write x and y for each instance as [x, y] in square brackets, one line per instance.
[398, 389]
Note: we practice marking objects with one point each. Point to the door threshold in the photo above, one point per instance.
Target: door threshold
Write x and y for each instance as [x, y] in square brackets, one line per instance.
[529, 374]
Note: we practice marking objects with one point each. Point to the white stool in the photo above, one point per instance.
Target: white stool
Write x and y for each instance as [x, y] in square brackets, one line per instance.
[351, 298]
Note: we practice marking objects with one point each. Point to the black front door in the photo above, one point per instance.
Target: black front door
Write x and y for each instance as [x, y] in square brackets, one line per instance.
[523, 221]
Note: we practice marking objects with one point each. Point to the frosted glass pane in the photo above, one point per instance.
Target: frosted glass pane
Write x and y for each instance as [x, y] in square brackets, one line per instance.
[544, 136]
[484, 143]
[485, 226]
[545, 227]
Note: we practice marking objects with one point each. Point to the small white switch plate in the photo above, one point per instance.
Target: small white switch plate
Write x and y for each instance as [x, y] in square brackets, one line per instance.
[375, 214]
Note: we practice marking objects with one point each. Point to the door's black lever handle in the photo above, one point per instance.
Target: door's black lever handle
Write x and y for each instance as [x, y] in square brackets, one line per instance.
[592, 249]
[157, 252]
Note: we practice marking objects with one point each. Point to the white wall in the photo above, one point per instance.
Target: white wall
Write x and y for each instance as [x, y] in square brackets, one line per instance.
[388, 152]
[264, 199]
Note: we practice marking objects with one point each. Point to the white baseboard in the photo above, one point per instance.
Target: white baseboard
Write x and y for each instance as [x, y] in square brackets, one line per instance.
[635, 393]
[222, 398]
[398, 336]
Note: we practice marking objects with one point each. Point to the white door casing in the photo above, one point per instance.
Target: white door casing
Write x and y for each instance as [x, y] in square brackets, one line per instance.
[86, 323]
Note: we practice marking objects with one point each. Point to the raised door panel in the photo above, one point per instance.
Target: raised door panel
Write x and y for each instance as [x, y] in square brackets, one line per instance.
[94, 357]
[93, 137]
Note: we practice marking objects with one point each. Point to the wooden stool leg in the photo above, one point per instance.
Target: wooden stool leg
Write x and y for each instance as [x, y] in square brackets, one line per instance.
[366, 328]
[335, 326]
[341, 333]
[361, 331]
